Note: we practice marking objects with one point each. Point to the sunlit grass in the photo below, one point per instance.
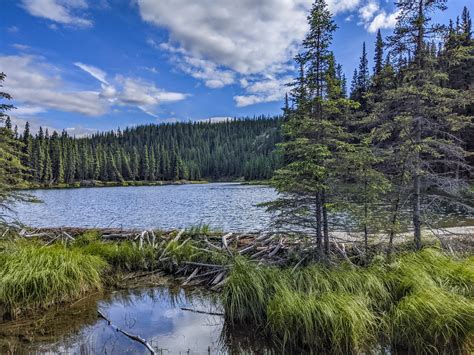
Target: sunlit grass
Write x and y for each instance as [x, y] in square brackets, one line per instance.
[33, 277]
[430, 319]
[419, 300]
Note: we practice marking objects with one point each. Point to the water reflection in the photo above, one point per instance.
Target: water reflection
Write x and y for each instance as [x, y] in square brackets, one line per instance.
[155, 314]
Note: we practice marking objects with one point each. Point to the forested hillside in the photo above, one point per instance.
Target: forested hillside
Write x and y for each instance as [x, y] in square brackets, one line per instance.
[201, 150]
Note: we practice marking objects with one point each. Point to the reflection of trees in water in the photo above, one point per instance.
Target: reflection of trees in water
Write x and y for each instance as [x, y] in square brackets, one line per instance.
[239, 339]
[77, 329]
[48, 330]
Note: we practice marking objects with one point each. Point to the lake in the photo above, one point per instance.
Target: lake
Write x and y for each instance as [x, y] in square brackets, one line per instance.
[227, 206]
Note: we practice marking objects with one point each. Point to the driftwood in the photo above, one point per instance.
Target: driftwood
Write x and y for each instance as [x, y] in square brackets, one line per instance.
[134, 337]
[262, 248]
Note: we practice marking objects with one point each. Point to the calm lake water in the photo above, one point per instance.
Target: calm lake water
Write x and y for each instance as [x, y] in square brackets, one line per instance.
[228, 206]
[155, 314]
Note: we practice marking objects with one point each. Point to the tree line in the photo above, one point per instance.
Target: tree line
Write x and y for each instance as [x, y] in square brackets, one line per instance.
[392, 150]
[236, 148]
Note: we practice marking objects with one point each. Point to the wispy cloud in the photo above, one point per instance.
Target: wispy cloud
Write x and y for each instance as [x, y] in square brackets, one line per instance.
[66, 12]
[38, 87]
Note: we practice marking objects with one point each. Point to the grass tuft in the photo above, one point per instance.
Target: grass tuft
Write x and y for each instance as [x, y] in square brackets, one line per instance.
[33, 277]
[335, 322]
[248, 290]
[432, 319]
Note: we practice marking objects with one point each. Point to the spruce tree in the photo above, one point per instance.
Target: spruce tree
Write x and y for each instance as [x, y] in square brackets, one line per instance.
[378, 57]
[417, 119]
[312, 135]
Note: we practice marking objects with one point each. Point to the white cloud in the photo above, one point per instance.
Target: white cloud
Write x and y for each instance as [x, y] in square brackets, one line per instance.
[368, 11]
[373, 17]
[93, 71]
[66, 12]
[266, 90]
[37, 87]
[35, 83]
[21, 47]
[245, 36]
[141, 93]
[226, 42]
[28, 110]
[13, 29]
[383, 21]
[207, 71]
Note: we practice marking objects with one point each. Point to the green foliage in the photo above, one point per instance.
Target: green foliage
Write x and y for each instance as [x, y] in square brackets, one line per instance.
[33, 276]
[123, 256]
[342, 310]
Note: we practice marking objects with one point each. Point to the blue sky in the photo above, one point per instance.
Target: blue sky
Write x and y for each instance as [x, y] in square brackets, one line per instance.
[88, 65]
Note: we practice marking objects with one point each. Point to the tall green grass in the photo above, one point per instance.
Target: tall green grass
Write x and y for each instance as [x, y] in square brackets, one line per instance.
[248, 290]
[421, 301]
[33, 277]
[124, 256]
[432, 320]
[333, 322]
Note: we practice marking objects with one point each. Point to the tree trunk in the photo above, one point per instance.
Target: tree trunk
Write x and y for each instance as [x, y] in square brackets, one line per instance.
[318, 223]
[325, 223]
[416, 189]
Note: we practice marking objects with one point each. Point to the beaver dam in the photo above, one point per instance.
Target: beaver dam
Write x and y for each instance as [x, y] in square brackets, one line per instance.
[198, 291]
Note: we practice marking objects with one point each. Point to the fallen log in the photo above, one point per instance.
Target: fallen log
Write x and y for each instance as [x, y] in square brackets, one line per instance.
[203, 312]
[137, 338]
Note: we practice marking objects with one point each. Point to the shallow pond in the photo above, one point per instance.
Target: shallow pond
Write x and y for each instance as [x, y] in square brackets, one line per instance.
[153, 313]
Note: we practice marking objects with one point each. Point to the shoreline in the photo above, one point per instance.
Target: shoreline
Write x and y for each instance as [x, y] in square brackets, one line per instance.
[98, 183]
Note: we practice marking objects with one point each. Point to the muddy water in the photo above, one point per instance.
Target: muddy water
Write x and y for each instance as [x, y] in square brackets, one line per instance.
[153, 313]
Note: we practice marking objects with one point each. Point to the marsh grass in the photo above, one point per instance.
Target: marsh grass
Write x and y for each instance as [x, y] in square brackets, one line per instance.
[432, 319]
[421, 301]
[122, 256]
[336, 322]
[248, 290]
[33, 277]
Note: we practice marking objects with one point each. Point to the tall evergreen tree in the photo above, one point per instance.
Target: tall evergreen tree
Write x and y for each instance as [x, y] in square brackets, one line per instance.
[417, 118]
[378, 57]
[312, 133]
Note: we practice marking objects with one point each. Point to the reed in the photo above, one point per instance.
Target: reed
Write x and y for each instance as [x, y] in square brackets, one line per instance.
[332, 322]
[432, 320]
[33, 277]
